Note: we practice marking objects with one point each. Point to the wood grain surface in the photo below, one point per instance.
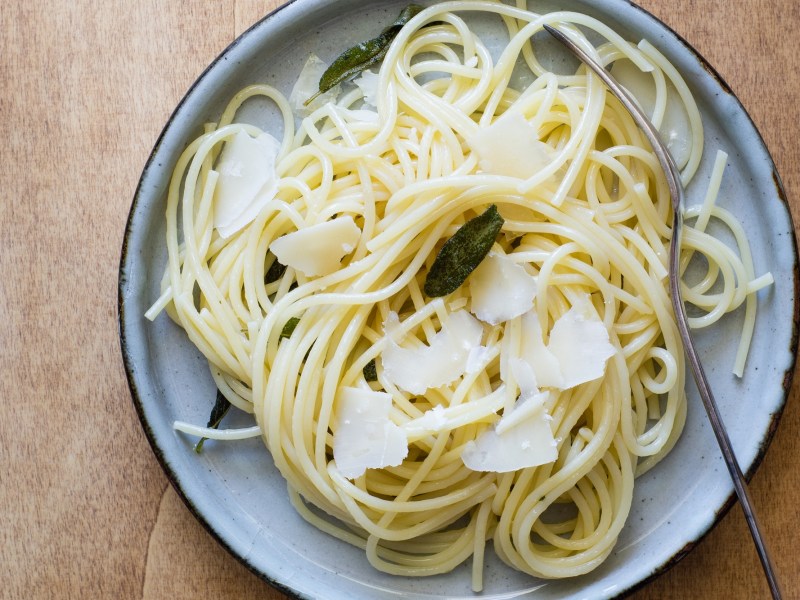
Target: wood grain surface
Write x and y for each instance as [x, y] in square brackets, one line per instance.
[85, 88]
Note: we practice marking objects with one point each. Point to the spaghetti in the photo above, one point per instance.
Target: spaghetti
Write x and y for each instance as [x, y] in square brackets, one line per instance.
[586, 218]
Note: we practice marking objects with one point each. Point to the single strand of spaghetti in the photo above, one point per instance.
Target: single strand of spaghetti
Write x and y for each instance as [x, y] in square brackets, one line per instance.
[163, 300]
[202, 219]
[639, 343]
[269, 92]
[712, 191]
[217, 434]
[649, 462]
[639, 407]
[669, 368]
[481, 526]
[703, 212]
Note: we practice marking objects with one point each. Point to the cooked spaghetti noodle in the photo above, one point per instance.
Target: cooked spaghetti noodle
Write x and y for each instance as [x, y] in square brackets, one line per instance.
[589, 223]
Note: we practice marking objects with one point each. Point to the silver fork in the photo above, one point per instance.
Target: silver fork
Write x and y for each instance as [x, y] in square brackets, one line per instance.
[677, 192]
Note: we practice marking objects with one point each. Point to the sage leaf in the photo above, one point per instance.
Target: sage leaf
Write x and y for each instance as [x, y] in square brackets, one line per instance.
[362, 56]
[288, 329]
[221, 408]
[462, 253]
[370, 371]
[275, 272]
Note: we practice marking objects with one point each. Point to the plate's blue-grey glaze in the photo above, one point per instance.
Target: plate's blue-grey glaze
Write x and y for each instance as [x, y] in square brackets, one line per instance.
[234, 489]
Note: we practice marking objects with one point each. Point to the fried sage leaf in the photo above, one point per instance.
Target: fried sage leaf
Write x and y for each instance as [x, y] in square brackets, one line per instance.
[288, 329]
[462, 253]
[364, 55]
[370, 371]
[275, 272]
[221, 408]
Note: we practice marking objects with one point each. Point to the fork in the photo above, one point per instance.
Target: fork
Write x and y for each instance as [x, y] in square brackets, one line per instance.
[677, 192]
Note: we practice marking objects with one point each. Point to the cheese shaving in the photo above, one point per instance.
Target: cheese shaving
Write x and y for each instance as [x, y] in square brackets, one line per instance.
[419, 368]
[247, 181]
[318, 249]
[365, 437]
[500, 289]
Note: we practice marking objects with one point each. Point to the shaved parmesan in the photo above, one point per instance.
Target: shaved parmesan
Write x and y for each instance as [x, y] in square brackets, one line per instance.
[307, 85]
[318, 249]
[365, 437]
[510, 146]
[368, 84]
[525, 376]
[247, 180]
[675, 128]
[416, 369]
[523, 438]
[578, 350]
[579, 341]
[534, 352]
[477, 359]
[500, 289]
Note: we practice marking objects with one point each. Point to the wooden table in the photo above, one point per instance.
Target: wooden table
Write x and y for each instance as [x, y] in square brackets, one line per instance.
[85, 510]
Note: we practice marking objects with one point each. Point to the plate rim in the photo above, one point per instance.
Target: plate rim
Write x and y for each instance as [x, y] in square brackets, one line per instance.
[172, 476]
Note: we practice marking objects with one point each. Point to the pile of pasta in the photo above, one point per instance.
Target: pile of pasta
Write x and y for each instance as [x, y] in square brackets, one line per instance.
[586, 218]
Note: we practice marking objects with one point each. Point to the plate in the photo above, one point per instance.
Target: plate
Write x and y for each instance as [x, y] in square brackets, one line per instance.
[235, 490]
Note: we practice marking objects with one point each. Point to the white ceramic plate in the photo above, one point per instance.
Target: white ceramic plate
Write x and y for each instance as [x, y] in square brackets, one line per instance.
[234, 489]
